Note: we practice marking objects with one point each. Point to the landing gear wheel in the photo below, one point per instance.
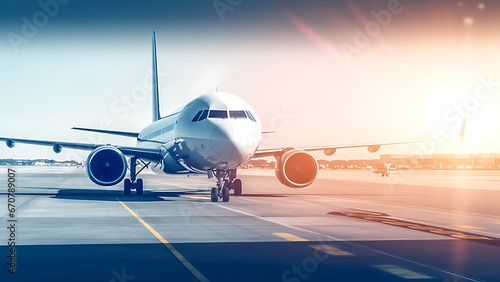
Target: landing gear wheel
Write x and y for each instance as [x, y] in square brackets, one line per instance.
[139, 188]
[214, 195]
[225, 183]
[126, 186]
[225, 194]
[237, 187]
[134, 183]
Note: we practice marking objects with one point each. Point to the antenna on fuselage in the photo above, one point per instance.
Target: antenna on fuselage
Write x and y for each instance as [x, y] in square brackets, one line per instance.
[156, 91]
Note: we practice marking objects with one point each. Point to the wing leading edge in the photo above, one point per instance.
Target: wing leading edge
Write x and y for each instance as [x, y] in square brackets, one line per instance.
[112, 132]
[329, 150]
[142, 153]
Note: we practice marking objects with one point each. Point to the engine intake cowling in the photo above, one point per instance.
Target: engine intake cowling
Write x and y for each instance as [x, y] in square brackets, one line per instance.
[296, 169]
[106, 166]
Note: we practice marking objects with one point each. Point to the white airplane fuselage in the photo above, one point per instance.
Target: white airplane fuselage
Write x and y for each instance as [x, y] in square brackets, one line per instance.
[214, 134]
[214, 131]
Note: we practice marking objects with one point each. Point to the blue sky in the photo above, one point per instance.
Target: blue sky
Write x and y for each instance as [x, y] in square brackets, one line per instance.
[303, 66]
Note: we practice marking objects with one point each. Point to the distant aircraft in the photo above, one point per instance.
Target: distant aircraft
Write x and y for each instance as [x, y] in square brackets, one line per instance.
[214, 134]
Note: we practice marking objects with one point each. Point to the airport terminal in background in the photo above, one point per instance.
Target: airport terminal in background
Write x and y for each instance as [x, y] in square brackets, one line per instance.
[402, 161]
[444, 161]
[490, 161]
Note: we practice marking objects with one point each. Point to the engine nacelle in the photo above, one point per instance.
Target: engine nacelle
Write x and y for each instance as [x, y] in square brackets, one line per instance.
[106, 166]
[57, 148]
[10, 143]
[373, 148]
[296, 169]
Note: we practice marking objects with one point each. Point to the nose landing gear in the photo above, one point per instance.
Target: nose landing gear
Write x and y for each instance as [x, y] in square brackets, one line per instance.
[226, 180]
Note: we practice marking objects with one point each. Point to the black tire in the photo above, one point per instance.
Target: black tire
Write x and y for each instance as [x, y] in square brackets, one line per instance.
[127, 185]
[213, 195]
[237, 187]
[139, 188]
[225, 194]
[232, 174]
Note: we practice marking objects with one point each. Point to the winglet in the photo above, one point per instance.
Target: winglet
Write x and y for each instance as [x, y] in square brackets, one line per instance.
[156, 92]
[462, 130]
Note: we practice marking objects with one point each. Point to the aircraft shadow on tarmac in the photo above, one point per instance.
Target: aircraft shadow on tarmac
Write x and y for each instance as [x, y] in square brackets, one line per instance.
[107, 195]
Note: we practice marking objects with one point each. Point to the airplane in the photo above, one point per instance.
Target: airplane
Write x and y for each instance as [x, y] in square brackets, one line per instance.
[213, 134]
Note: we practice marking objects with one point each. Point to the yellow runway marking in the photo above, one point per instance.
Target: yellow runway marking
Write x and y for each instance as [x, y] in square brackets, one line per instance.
[252, 200]
[470, 237]
[330, 250]
[340, 240]
[171, 248]
[290, 237]
[469, 227]
[402, 272]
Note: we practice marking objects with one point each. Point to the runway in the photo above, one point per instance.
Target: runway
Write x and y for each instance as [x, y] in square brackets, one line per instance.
[348, 226]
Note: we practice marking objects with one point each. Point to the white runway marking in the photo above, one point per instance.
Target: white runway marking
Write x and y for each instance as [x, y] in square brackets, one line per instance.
[350, 243]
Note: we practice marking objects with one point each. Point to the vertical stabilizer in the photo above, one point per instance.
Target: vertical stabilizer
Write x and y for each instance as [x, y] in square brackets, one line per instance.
[462, 130]
[156, 92]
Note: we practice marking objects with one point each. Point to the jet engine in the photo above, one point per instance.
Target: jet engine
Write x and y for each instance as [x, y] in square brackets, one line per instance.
[106, 166]
[296, 169]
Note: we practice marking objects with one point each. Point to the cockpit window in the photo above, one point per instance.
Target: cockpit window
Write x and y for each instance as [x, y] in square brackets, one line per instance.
[203, 115]
[250, 116]
[197, 116]
[217, 114]
[237, 114]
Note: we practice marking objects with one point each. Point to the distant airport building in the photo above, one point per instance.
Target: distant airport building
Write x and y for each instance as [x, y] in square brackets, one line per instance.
[446, 161]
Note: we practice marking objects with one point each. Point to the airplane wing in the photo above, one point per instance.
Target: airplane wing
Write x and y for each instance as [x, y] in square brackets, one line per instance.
[329, 150]
[142, 153]
[112, 132]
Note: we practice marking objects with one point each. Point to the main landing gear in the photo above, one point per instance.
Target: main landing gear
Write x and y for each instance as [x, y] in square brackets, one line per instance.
[226, 180]
[134, 183]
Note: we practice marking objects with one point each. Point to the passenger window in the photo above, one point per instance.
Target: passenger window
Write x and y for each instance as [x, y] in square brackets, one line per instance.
[217, 114]
[237, 114]
[250, 116]
[197, 116]
[203, 115]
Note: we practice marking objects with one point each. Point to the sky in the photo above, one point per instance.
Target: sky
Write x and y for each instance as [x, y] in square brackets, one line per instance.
[316, 72]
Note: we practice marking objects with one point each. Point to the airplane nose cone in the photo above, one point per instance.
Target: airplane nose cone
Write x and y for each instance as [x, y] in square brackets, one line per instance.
[222, 142]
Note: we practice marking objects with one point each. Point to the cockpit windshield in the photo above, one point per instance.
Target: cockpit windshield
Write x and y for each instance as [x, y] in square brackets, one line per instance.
[222, 114]
[217, 114]
[237, 114]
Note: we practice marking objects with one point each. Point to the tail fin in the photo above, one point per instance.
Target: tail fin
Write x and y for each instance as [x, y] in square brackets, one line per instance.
[156, 92]
[462, 131]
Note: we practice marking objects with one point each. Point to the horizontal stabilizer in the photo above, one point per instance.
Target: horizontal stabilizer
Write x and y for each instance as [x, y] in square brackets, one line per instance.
[112, 132]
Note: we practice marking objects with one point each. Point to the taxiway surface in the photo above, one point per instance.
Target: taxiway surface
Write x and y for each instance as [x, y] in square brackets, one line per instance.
[347, 226]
